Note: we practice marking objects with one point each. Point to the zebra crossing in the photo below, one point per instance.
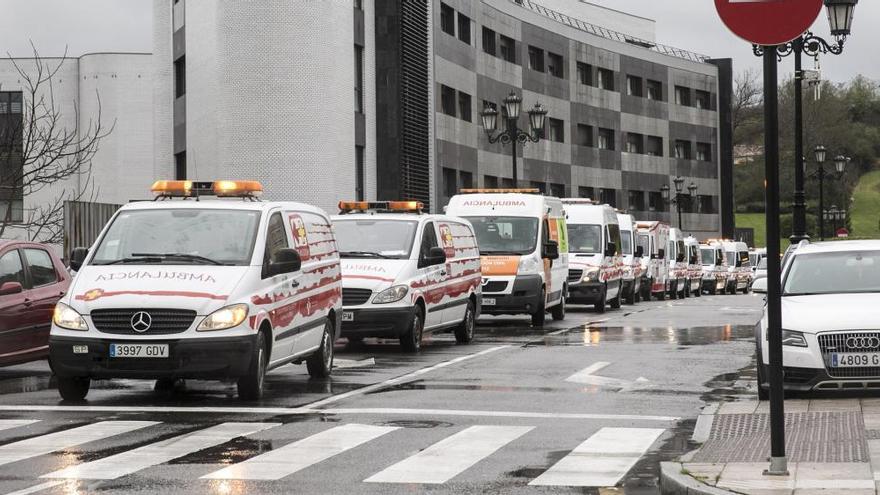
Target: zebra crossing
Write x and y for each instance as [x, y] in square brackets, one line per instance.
[602, 459]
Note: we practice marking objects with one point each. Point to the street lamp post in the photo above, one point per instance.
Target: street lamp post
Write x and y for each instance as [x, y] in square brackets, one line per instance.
[679, 196]
[513, 134]
[840, 163]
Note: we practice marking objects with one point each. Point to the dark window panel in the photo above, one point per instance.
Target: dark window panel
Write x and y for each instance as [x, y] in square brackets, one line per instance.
[634, 86]
[586, 192]
[180, 77]
[635, 143]
[636, 200]
[447, 19]
[654, 145]
[536, 59]
[703, 100]
[490, 182]
[450, 183]
[585, 135]
[556, 130]
[464, 28]
[682, 96]
[555, 65]
[606, 139]
[489, 41]
[655, 201]
[704, 152]
[358, 79]
[585, 73]
[606, 79]
[360, 173]
[682, 150]
[557, 190]
[464, 106]
[655, 90]
[447, 100]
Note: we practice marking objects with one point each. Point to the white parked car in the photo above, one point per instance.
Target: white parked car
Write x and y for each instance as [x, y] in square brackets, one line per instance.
[831, 334]
[759, 283]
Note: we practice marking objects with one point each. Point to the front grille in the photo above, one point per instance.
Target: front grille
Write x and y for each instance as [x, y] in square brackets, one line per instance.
[495, 286]
[355, 297]
[574, 276]
[836, 342]
[163, 321]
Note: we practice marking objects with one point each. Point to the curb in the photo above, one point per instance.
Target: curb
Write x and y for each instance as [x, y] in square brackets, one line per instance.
[674, 482]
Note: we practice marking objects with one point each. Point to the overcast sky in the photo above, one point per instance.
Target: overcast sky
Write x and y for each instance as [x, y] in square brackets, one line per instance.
[125, 25]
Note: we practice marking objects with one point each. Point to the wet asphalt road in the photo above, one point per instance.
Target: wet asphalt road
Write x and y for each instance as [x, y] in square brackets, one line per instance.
[494, 416]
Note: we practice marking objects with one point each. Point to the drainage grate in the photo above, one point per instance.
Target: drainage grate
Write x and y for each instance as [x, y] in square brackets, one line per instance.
[809, 437]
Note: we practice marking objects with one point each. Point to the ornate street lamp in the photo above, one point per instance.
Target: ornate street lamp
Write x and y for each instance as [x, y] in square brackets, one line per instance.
[680, 196]
[512, 134]
[840, 164]
[840, 16]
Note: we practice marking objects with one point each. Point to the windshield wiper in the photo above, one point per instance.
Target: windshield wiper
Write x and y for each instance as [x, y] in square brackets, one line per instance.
[351, 254]
[180, 256]
[134, 259]
[501, 253]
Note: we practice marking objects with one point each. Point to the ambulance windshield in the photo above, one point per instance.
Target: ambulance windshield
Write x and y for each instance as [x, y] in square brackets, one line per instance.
[184, 236]
[498, 236]
[375, 238]
[585, 239]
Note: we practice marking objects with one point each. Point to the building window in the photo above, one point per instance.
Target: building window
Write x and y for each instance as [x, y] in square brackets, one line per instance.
[608, 197]
[466, 179]
[585, 73]
[359, 172]
[180, 165]
[703, 100]
[655, 90]
[635, 143]
[464, 28]
[706, 204]
[447, 100]
[634, 86]
[447, 19]
[682, 96]
[555, 64]
[540, 186]
[490, 182]
[180, 77]
[358, 79]
[606, 79]
[585, 135]
[508, 48]
[557, 190]
[507, 183]
[489, 41]
[464, 106]
[450, 183]
[655, 201]
[557, 130]
[585, 192]
[654, 145]
[637, 200]
[606, 139]
[536, 59]
[704, 152]
[683, 149]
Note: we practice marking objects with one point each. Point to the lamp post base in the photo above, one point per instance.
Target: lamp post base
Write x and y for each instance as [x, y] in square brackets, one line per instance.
[778, 467]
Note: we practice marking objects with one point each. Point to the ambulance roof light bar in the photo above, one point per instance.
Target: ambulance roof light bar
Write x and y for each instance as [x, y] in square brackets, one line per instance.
[501, 191]
[578, 201]
[381, 207]
[246, 189]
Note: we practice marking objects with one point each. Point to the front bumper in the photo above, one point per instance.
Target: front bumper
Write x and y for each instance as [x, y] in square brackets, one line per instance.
[204, 358]
[525, 298]
[377, 322]
[586, 293]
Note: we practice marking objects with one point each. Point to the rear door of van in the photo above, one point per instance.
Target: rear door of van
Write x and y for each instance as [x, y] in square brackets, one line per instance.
[462, 268]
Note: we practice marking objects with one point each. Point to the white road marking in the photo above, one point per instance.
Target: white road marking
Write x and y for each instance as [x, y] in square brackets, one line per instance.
[45, 444]
[602, 460]
[8, 424]
[351, 363]
[451, 456]
[284, 461]
[500, 414]
[36, 488]
[403, 378]
[587, 376]
[115, 466]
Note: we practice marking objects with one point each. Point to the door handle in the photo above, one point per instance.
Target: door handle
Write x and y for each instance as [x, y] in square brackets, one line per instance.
[28, 302]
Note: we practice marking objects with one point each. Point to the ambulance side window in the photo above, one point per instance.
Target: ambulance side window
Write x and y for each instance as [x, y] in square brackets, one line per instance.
[276, 238]
[429, 240]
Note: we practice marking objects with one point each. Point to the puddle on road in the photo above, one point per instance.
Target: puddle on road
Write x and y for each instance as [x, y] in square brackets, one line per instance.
[232, 452]
[595, 335]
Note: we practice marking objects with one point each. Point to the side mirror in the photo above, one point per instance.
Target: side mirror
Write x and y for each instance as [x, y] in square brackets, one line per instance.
[78, 257]
[550, 250]
[661, 254]
[639, 252]
[436, 256]
[9, 288]
[610, 249]
[286, 261]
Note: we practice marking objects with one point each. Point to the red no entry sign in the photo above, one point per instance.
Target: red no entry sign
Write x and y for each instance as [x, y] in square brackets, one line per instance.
[768, 22]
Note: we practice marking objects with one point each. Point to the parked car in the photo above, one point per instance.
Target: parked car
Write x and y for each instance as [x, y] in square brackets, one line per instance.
[677, 254]
[405, 273]
[208, 289]
[737, 254]
[632, 259]
[652, 237]
[32, 280]
[594, 260]
[759, 283]
[755, 257]
[830, 337]
[715, 270]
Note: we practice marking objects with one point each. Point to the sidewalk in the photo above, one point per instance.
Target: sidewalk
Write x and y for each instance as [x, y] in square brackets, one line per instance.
[830, 445]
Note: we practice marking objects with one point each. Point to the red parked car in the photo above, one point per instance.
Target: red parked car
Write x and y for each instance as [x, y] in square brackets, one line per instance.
[32, 279]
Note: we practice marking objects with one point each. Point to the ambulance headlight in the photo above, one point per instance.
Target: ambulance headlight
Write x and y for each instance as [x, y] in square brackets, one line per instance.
[391, 294]
[224, 318]
[67, 318]
[590, 275]
[530, 265]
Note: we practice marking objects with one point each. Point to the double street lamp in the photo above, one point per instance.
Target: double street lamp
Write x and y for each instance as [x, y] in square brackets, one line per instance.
[512, 134]
[840, 163]
[680, 196]
[836, 217]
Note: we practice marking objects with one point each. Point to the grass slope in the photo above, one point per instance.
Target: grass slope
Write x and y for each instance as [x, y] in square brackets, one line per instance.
[754, 221]
[865, 208]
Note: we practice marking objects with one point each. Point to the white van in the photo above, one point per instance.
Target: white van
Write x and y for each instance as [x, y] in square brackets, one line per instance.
[694, 267]
[632, 264]
[715, 272]
[523, 245]
[594, 260]
[678, 266]
[652, 237]
[216, 289]
[737, 254]
[405, 273]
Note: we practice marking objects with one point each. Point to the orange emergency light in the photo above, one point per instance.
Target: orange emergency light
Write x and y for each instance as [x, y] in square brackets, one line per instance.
[382, 206]
[237, 188]
[220, 189]
[501, 191]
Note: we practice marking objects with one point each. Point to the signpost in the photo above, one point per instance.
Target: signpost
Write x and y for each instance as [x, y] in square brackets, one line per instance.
[769, 23]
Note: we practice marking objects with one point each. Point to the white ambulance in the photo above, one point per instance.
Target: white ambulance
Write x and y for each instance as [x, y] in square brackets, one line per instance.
[678, 264]
[405, 273]
[632, 263]
[183, 287]
[652, 237]
[739, 266]
[523, 246]
[715, 270]
[695, 267]
[595, 265]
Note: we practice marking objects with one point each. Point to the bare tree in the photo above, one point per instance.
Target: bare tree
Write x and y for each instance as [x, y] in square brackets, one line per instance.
[41, 150]
[745, 105]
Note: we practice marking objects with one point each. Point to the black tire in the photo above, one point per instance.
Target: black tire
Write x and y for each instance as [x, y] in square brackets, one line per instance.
[746, 289]
[250, 386]
[637, 294]
[558, 311]
[699, 291]
[74, 388]
[464, 333]
[632, 296]
[615, 303]
[539, 316]
[646, 289]
[603, 300]
[411, 341]
[687, 289]
[673, 291]
[661, 296]
[320, 363]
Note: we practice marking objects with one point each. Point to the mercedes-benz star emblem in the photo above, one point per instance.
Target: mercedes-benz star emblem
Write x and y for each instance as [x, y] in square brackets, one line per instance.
[141, 321]
[864, 342]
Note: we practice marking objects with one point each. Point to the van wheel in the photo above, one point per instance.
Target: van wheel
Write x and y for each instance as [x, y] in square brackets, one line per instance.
[632, 297]
[646, 290]
[558, 311]
[687, 289]
[250, 386]
[320, 363]
[464, 332]
[540, 314]
[684, 292]
[699, 291]
[73, 388]
[661, 296]
[603, 300]
[411, 341]
[746, 289]
[615, 303]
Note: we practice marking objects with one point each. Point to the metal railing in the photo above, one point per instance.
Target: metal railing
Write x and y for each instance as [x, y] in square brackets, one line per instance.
[611, 34]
